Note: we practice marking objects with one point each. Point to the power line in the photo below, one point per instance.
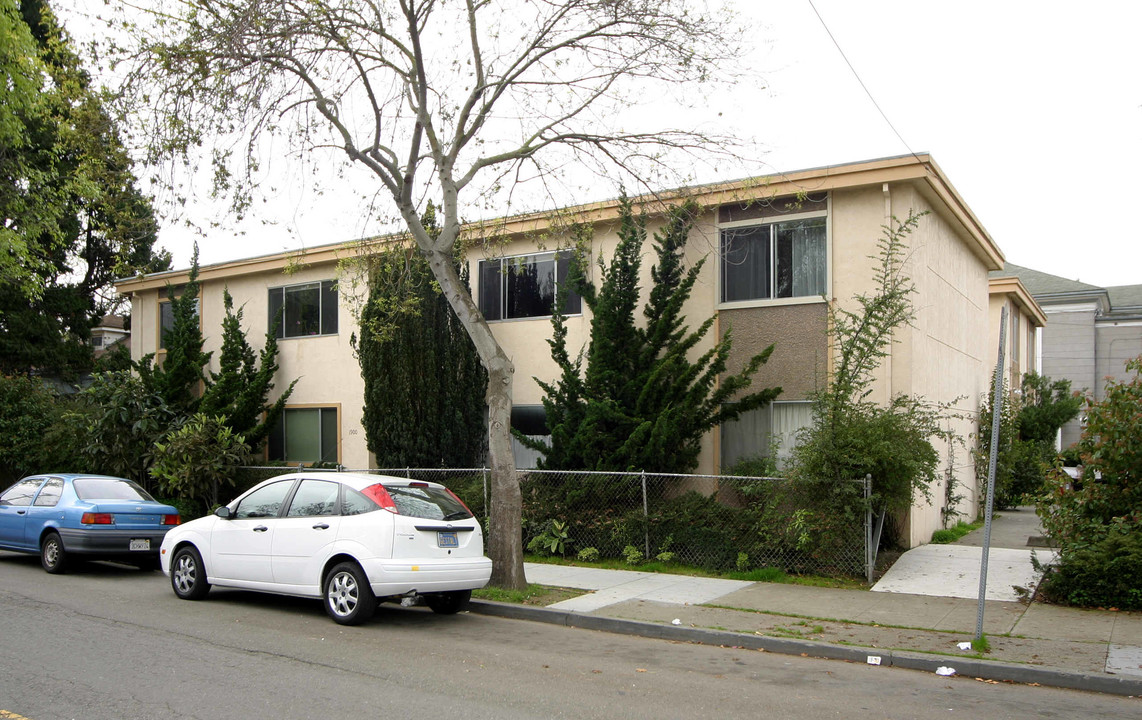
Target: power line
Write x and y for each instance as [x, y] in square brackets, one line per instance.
[858, 78]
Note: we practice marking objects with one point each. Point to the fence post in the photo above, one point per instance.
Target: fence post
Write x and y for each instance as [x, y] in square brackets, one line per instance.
[484, 480]
[869, 553]
[645, 519]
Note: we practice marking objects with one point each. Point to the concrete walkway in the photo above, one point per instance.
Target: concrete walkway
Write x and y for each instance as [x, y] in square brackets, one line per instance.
[953, 570]
[917, 617]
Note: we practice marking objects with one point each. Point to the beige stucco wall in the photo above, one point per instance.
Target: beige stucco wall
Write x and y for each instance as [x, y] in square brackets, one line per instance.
[947, 346]
[526, 340]
[944, 357]
[325, 368]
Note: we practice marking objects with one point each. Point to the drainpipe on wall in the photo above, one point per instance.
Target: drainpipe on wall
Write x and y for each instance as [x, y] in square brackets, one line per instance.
[887, 223]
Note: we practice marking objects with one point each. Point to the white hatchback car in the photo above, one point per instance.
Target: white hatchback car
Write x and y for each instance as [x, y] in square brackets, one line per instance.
[348, 538]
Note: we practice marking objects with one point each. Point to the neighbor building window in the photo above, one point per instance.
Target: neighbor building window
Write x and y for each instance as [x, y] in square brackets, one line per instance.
[784, 259]
[304, 310]
[305, 435]
[525, 286]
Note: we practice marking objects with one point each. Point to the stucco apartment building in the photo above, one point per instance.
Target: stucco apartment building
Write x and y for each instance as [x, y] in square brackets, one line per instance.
[777, 248]
[1090, 334]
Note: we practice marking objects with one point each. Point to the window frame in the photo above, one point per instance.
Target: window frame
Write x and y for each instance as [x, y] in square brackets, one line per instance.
[772, 221]
[574, 302]
[276, 311]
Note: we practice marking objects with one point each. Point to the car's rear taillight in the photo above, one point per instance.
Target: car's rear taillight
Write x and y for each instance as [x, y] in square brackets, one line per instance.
[171, 520]
[381, 497]
[97, 519]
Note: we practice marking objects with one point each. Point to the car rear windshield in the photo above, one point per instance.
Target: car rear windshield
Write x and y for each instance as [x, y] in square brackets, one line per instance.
[428, 502]
[106, 489]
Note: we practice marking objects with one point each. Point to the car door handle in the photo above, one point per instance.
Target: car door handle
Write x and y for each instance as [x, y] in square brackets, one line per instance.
[261, 528]
[21, 512]
[320, 526]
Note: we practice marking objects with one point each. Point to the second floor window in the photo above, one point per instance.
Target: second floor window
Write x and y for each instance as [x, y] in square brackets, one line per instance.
[525, 286]
[779, 260]
[304, 310]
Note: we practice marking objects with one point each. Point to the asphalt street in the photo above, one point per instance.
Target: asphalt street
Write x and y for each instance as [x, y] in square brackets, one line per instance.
[109, 641]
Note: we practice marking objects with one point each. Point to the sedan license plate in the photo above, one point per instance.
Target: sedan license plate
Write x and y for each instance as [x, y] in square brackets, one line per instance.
[143, 544]
[446, 540]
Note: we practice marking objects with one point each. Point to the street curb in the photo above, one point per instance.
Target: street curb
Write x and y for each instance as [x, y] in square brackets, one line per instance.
[964, 666]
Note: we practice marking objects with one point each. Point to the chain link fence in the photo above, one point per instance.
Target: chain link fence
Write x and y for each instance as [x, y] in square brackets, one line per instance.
[715, 522]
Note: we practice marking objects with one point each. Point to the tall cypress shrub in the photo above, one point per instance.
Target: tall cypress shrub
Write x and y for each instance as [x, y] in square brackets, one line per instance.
[643, 401]
[424, 383]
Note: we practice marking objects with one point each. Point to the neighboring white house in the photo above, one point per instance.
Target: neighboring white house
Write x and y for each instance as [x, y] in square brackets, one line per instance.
[777, 248]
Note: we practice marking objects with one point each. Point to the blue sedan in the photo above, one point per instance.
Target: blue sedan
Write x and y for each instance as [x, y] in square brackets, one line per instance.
[90, 516]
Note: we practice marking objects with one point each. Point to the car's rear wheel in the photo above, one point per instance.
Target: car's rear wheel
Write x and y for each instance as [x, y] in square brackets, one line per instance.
[448, 603]
[188, 576]
[349, 599]
[52, 555]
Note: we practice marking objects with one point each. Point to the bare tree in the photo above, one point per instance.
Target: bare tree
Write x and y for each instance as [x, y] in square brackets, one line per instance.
[454, 100]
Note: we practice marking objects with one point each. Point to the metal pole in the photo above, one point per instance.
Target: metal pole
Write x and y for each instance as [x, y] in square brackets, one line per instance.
[996, 414]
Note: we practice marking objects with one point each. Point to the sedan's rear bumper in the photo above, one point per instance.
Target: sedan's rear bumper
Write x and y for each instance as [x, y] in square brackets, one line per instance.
[110, 541]
[391, 577]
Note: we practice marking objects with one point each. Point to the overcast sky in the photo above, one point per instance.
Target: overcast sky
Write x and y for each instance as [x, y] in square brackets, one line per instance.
[1032, 109]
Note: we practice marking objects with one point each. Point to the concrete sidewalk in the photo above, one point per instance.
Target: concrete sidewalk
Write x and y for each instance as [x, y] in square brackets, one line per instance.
[905, 623]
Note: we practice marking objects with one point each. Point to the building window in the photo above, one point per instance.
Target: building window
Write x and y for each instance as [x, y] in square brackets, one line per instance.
[525, 286]
[305, 435]
[784, 259]
[304, 310]
[769, 431]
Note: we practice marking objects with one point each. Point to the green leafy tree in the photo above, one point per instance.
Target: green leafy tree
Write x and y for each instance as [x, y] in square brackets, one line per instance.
[71, 218]
[238, 391]
[1027, 428]
[642, 403]
[424, 384]
[851, 436]
[1046, 406]
[26, 414]
[198, 457]
[1097, 523]
[125, 419]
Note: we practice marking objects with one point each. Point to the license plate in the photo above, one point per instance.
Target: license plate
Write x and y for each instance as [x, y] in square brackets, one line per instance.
[446, 540]
[143, 544]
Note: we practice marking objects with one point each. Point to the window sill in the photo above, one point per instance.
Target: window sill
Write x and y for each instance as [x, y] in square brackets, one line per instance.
[546, 318]
[773, 302]
[307, 337]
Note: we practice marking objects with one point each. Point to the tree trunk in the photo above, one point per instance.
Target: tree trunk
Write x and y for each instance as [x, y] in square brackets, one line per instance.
[505, 536]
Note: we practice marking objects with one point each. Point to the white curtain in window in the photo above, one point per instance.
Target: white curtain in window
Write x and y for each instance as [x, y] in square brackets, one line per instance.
[788, 420]
[809, 260]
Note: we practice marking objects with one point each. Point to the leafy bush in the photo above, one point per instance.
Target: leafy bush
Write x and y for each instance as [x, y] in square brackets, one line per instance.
[632, 555]
[1105, 574]
[589, 554]
[197, 458]
[26, 412]
[125, 419]
[552, 539]
[1097, 524]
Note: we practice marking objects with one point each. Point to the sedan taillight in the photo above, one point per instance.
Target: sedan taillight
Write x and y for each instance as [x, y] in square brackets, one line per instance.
[381, 497]
[171, 520]
[97, 519]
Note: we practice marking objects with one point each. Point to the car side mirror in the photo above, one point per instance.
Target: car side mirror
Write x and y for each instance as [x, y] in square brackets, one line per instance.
[223, 512]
